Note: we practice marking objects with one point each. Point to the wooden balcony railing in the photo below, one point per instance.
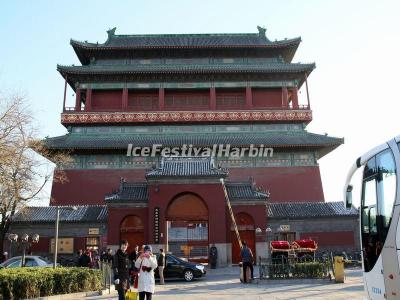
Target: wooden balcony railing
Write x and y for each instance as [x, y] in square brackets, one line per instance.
[144, 108]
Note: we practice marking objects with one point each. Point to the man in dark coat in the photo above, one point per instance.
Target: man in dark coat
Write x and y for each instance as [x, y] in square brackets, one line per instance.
[247, 260]
[109, 256]
[84, 260]
[161, 265]
[134, 254]
[213, 257]
[121, 269]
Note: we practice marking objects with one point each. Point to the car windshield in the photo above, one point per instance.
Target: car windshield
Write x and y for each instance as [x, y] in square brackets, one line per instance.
[14, 263]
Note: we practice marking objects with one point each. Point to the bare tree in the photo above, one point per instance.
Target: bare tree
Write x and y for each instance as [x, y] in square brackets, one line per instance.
[23, 173]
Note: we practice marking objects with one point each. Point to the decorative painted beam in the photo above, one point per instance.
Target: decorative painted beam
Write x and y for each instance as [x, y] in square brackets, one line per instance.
[186, 116]
[187, 85]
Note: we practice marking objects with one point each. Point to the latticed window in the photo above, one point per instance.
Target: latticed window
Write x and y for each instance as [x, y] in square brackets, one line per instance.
[231, 101]
[186, 101]
[144, 102]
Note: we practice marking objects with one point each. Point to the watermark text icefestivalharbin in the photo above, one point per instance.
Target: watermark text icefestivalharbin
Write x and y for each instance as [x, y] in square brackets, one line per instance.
[217, 150]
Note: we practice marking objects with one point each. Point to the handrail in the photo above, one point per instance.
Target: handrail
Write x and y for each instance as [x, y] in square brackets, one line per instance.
[219, 108]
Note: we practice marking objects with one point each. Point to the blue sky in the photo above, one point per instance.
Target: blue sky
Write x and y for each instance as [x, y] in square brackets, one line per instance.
[355, 46]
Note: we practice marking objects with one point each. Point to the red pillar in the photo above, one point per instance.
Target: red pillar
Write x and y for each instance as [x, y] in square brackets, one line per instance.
[161, 98]
[65, 92]
[78, 100]
[284, 97]
[88, 105]
[295, 99]
[125, 99]
[308, 95]
[213, 99]
[249, 97]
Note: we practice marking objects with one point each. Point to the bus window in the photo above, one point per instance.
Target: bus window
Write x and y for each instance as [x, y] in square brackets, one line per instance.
[373, 229]
[370, 192]
[378, 197]
[368, 216]
[386, 190]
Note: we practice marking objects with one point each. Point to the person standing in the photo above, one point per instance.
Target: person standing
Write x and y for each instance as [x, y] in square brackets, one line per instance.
[132, 257]
[121, 269]
[84, 260]
[161, 265]
[134, 254]
[4, 257]
[146, 264]
[247, 260]
[213, 256]
[109, 256]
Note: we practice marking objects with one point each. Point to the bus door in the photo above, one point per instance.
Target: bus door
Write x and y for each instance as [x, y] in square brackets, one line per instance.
[378, 242]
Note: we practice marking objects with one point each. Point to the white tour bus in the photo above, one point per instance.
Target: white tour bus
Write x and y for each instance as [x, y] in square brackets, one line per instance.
[379, 218]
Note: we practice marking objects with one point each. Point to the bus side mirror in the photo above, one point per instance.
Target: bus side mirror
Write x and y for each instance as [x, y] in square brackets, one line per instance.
[349, 196]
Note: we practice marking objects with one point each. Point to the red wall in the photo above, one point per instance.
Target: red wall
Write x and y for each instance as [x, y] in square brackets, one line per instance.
[257, 212]
[42, 246]
[103, 100]
[115, 217]
[90, 186]
[212, 195]
[339, 238]
[286, 184]
[267, 97]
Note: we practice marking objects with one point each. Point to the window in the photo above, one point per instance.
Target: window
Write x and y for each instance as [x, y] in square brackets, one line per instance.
[378, 196]
[368, 215]
[170, 260]
[186, 100]
[30, 262]
[386, 187]
[231, 101]
[92, 243]
[14, 264]
[285, 236]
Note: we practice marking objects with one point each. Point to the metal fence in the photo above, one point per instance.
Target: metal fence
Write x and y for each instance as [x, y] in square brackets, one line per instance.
[281, 268]
[107, 275]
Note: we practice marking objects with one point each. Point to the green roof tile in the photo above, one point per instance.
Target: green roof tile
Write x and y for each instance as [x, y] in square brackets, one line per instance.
[121, 141]
[181, 68]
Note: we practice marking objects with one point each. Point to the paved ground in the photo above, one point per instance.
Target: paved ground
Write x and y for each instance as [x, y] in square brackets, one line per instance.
[223, 284]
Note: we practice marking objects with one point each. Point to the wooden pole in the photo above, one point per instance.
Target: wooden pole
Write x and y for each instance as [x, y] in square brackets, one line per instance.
[56, 236]
[228, 202]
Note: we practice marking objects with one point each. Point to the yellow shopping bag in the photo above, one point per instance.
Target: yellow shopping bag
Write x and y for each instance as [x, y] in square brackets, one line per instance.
[131, 295]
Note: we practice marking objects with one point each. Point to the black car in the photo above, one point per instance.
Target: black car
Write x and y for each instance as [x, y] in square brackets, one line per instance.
[178, 268]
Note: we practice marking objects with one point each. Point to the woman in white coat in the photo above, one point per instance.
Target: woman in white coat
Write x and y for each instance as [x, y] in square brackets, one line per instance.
[146, 264]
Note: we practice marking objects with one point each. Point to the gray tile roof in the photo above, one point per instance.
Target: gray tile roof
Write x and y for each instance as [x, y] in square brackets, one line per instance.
[136, 192]
[40, 214]
[124, 44]
[244, 191]
[187, 68]
[121, 141]
[309, 209]
[187, 167]
[185, 41]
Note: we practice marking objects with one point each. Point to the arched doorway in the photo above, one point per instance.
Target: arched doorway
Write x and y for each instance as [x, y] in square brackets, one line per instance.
[245, 224]
[187, 221]
[132, 230]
